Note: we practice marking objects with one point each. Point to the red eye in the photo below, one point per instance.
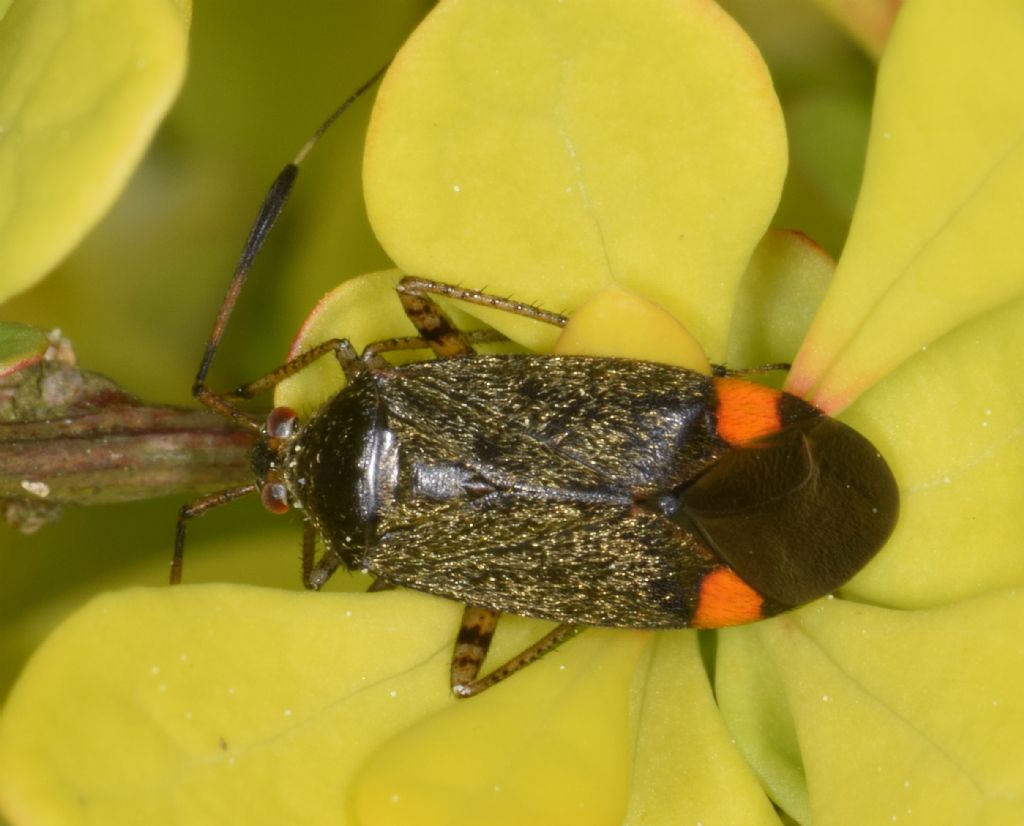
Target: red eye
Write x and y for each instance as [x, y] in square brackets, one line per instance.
[281, 422]
[274, 497]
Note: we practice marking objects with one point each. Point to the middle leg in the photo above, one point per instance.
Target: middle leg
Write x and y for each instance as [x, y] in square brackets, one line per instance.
[434, 326]
[474, 640]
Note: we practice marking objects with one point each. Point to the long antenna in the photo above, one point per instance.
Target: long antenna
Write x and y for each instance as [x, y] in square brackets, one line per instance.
[270, 209]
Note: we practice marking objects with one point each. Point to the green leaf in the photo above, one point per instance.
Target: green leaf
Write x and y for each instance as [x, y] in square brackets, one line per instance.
[929, 247]
[867, 21]
[20, 345]
[81, 93]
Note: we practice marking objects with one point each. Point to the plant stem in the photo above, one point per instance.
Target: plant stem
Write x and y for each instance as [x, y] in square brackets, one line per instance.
[72, 437]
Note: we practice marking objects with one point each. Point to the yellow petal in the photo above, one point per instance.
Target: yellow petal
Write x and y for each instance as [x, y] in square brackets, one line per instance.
[907, 715]
[621, 324]
[547, 150]
[785, 281]
[933, 241]
[752, 700]
[950, 422]
[362, 310]
[188, 699]
[526, 751]
[174, 705]
[686, 768]
[80, 97]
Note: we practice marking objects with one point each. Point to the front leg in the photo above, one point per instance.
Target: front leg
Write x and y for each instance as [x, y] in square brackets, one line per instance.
[316, 572]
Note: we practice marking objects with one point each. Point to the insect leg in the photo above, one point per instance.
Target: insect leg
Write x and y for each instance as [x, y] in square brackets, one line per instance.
[308, 552]
[444, 338]
[320, 572]
[435, 328]
[463, 687]
[198, 508]
[269, 211]
[722, 371]
[391, 345]
[347, 358]
[316, 573]
[342, 349]
[471, 645]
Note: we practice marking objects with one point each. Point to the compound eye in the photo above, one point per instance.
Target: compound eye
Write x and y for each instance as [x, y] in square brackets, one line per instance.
[274, 497]
[281, 422]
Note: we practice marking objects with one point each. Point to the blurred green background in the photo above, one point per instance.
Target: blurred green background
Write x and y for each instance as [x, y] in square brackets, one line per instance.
[138, 296]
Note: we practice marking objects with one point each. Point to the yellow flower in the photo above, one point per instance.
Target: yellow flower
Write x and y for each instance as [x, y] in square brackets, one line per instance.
[558, 151]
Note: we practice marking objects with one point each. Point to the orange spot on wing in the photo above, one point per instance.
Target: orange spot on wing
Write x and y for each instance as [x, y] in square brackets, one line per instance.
[725, 599]
[746, 410]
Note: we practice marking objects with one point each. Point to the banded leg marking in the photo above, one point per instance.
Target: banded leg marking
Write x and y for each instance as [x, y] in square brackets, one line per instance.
[444, 338]
[473, 641]
[471, 646]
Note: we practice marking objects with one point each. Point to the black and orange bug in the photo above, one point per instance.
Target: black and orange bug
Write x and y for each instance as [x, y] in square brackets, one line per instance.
[584, 490]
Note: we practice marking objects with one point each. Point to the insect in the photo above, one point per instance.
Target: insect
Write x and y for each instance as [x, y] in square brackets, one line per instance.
[584, 490]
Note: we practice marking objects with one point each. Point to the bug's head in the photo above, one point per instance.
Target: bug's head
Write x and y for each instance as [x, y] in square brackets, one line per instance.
[268, 458]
